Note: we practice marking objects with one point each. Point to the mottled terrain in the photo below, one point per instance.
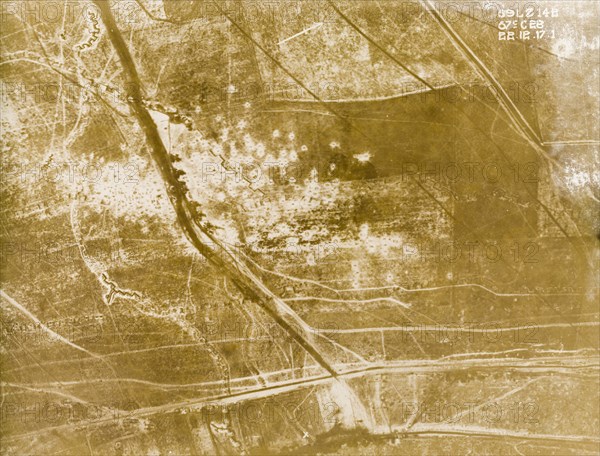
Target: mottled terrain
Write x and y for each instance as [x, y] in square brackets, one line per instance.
[299, 227]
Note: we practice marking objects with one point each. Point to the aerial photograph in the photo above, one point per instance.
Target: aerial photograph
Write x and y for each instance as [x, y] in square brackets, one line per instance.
[300, 227]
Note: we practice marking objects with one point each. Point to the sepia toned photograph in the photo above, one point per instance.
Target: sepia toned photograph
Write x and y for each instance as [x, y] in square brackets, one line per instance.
[299, 227]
